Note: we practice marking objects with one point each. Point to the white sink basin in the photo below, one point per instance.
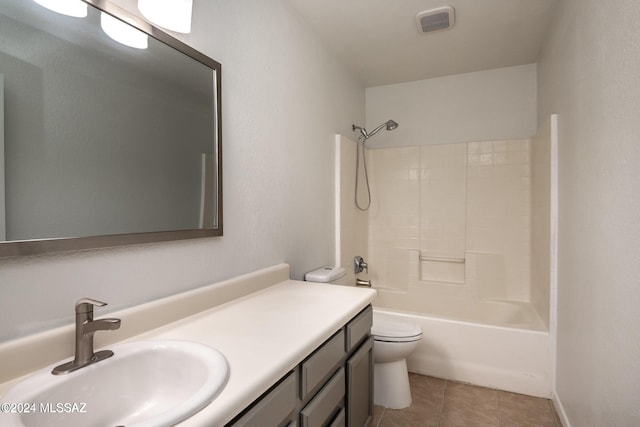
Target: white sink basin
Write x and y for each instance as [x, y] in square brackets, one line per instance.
[144, 384]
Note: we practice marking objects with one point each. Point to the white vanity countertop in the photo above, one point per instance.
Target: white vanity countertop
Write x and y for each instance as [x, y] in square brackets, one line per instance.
[263, 323]
[263, 336]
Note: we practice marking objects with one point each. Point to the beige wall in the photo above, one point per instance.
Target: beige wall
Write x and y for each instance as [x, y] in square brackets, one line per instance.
[588, 74]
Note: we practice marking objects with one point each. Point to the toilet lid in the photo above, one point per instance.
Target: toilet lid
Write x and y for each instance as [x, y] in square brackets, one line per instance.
[389, 330]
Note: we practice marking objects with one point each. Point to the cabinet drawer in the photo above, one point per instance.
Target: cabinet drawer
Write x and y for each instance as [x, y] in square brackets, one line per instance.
[358, 328]
[339, 420]
[273, 408]
[326, 403]
[321, 364]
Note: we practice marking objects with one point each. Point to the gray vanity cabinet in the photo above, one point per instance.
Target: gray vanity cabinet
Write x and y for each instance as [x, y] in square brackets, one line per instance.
[359, 369]
[332, 387]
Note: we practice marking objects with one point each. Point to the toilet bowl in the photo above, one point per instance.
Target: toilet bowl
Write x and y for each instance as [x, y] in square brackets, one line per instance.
[393, 342]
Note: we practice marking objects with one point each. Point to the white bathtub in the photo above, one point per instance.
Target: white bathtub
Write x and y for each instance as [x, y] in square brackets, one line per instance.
[509, 358]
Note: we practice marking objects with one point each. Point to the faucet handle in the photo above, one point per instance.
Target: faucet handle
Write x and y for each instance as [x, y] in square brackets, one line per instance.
[359, 265]
[85, 305]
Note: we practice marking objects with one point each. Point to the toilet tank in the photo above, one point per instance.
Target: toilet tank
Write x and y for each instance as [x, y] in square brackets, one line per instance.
[325, 274]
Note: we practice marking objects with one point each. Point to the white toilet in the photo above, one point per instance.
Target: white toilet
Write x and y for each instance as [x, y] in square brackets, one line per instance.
[393, 342]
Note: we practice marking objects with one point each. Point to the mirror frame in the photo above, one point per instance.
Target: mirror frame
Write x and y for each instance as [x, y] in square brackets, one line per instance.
[53, 245]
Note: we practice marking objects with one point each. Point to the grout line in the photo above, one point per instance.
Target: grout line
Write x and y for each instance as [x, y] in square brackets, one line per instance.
[384, 410]
[556, 417]
[379, 423]
[497, 406]
[444, 396]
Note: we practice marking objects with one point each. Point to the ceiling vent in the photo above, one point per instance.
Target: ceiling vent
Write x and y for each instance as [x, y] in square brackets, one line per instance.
[438, 19]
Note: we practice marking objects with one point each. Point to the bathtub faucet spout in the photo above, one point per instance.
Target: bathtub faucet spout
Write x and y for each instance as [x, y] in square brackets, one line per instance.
[360, 282]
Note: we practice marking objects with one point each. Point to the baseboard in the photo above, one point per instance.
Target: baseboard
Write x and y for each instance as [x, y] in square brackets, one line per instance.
[557, 403]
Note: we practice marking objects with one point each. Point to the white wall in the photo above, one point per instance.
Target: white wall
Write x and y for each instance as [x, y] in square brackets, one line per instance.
[485, 105]
[588, 74]
[284, 98]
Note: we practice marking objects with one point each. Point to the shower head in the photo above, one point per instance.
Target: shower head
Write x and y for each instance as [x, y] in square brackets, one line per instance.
[390, 125]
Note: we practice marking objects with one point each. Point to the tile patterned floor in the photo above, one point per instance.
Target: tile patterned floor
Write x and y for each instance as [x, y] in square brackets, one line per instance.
[442, 403]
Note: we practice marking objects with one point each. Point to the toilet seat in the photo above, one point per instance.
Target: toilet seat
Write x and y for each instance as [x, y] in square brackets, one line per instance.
[390, 331]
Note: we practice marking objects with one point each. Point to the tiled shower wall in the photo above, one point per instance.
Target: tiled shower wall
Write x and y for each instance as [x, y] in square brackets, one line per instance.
[452, 214]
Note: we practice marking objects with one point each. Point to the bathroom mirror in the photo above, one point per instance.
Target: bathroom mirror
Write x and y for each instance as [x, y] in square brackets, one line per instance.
[103, 144]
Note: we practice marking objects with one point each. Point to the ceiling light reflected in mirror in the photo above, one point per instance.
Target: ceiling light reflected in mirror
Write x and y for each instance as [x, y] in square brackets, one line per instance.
[75, 8]
[174, 15]
[123, 33]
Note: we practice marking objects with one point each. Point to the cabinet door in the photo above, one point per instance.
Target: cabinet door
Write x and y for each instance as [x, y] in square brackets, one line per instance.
[360, 386]
[339, 420]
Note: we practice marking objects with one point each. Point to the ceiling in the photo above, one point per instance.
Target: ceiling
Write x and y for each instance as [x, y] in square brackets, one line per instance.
[379, 42]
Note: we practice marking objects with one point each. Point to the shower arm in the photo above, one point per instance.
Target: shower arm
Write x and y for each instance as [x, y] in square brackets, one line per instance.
[389, 124]
[376, 130]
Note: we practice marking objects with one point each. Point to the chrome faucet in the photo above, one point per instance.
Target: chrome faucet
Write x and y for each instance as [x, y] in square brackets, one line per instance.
[85, 328]
[359, 265]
